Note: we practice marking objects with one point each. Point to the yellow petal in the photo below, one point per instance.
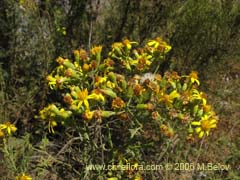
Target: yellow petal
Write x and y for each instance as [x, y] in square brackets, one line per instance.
[13, 129]
[3, 126]
[198, 130]
[213, 126]
[79, 104]
[153, 43]
[174, 94]
[196, 123]
[86, 104]
[207, 133]
[204, 101]
[9, 130]
[213, 121]
[197, 81]
[201, 134]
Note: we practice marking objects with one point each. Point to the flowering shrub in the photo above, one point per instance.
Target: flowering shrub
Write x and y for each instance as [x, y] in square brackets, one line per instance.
[125, 95]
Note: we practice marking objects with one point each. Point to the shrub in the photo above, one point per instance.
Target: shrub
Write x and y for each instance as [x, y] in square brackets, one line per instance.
[120, 107]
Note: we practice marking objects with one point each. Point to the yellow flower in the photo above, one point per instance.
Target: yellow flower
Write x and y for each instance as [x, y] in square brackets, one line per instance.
[142, 63]
[8, 127]
[118, 103]
[96, 50]
[138, 89]
[168, 99]
[193, 76]
[128, 43]
[100, 80]
[117, 45]
[97, 95]
[23, 177]
[199, 95]
[83, 97]
[86, 67]
[160, 45]
[64, 114]
[56, 81]
[204, 125]
[50, 114]
[83, 54]
[166, 131]
[51, 81]
[76, 52]
[60, 60]
[156, 115]
[154, 43]
[206, 108]
[88, 115]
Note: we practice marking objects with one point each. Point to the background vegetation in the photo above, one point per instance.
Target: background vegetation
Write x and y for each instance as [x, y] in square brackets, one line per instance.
[204, 36]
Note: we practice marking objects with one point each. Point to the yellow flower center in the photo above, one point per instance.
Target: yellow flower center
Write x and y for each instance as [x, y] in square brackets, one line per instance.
[23, 178]
[8, 124]
[118, 103]
[166, 99]
[82, 95]
[95, 50]
[205, 125]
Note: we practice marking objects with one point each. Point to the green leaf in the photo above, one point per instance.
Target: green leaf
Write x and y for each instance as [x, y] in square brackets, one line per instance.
[195, 109]
[200, 113]
[134, 131]
[184, 87]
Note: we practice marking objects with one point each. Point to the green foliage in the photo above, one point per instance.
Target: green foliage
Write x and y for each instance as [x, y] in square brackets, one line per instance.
[134, 19]
[27, 59]
[202, 31]
[17, 153]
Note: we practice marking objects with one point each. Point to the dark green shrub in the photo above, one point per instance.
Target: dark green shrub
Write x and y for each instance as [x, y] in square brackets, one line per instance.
[203, 31]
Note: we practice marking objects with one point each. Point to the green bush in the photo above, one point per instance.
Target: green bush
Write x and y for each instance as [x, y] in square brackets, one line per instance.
[119, 107]
[202, 32]
[26, 60]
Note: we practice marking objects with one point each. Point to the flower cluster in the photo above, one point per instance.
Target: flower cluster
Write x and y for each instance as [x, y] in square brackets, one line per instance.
[126, 85]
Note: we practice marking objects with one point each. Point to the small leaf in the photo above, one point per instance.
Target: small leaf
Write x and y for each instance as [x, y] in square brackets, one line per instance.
[184, 87]
[195, 109]
[200, 113]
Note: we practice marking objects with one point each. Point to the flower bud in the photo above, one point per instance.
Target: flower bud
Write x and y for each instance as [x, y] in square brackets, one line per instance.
[68, 64]
[141, 106]
[107, 114]
[109, 92]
